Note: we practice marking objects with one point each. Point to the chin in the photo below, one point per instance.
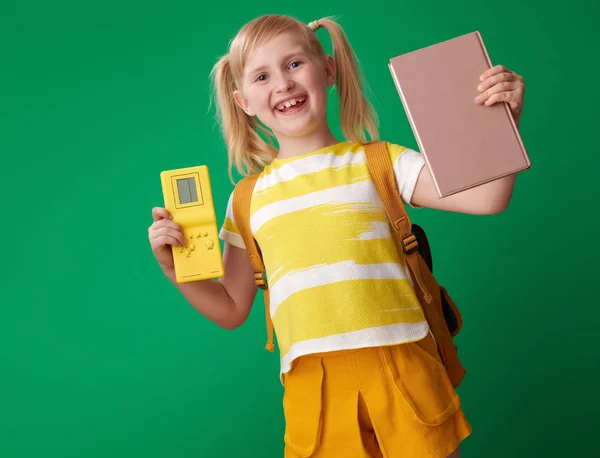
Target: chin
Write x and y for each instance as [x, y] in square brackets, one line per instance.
[301, 128]
[292, 128]
[300, 131]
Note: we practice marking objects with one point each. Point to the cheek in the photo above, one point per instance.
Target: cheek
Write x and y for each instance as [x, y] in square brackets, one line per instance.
[319, 89]
[254, 97]
[261, 100]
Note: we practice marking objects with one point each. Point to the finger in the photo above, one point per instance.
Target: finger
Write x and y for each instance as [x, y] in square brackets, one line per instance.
[515, 106]
[161, 242]
[511, 87]
[167, 227]
[164, 226]
[159, 213]
[164, 223]
[501, 97]
[163, 237]
[496, 79]
[493, 71]
[174, 231]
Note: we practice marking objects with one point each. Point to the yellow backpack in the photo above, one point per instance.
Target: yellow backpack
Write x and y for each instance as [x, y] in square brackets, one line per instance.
[442, 314]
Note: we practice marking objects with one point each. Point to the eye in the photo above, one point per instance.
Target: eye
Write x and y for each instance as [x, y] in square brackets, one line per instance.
[295, 64]
[261, 77]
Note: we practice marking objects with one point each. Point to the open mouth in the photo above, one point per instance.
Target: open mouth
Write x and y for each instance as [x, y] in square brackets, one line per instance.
[291, 105]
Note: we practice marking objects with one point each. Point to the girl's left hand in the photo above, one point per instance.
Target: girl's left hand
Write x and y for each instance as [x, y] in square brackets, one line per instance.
[499, 84]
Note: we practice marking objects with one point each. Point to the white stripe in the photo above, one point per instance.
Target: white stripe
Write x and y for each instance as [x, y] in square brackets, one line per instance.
[232, 238]
[362, 194]
[370, 337]
[294, 282]
[306, 165]
[379, 230]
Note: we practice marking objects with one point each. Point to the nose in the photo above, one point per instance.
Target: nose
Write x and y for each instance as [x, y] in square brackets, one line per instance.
[283, 83]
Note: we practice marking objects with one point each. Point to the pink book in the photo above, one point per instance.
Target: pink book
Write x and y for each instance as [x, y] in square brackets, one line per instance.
[465, 144]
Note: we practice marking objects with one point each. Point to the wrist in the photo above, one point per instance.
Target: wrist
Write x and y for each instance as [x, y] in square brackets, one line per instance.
[169, 273]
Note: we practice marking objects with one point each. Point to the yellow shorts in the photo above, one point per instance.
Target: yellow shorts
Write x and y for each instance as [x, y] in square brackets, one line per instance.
[374, 402]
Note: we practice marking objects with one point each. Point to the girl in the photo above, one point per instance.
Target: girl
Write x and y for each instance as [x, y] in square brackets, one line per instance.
[361, 371]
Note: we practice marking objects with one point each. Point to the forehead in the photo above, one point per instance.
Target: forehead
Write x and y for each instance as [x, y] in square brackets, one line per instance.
[271, 51]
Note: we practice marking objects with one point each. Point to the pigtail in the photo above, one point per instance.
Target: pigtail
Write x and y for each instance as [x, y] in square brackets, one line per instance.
[356, 113]
[246, 148]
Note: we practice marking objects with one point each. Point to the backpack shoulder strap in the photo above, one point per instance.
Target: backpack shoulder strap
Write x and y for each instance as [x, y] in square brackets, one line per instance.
[381, 170]
[242, 197]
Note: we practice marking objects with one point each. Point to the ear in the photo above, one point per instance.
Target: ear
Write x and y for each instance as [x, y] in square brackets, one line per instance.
[241, 101]
[330, 70]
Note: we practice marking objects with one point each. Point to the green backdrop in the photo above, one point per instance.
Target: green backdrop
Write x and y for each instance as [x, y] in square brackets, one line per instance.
[102, 357]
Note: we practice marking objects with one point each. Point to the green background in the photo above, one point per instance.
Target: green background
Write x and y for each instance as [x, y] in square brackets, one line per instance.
[100, 354]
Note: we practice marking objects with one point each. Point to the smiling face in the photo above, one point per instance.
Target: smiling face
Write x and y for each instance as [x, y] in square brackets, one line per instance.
[285, 86]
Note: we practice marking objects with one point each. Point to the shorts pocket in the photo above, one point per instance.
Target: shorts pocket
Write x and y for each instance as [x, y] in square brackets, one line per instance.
[418, 373]
[303, 405]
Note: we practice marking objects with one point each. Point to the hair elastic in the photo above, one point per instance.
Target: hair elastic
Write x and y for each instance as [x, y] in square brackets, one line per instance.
[314, 25]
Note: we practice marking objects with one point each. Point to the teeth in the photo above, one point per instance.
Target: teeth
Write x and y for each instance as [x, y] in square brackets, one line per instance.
[290, 103]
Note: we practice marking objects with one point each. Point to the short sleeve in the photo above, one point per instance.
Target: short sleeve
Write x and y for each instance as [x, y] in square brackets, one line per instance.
[407, 165]
[229, 231]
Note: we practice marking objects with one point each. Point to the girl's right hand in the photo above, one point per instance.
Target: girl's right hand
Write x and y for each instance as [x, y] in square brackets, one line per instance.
[162, 234]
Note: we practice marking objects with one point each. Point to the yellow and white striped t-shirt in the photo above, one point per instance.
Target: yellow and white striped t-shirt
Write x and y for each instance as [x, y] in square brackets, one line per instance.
[336, 278]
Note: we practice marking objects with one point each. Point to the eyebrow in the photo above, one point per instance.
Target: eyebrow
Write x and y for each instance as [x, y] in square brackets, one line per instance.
[286, 57]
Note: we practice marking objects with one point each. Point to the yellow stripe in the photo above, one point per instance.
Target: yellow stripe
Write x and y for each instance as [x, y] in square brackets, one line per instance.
[324, 179]
[344, 307]
[229, 225]
[395, 151]
[310, 182]
[329, 234]
[339, 150]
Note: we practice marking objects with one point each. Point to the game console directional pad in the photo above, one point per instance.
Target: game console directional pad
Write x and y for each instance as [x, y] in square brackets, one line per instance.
[187, 248]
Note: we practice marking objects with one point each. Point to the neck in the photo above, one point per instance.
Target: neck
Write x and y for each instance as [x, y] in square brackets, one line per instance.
[295, 146]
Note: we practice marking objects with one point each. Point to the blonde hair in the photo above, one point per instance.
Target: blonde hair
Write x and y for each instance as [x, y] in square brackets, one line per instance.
[248, 151]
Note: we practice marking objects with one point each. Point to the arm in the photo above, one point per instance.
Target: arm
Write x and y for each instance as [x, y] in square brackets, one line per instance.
[227, 301]
[486, 199]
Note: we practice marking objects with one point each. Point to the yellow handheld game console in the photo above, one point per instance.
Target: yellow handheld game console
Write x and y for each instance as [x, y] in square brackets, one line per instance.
[188, 197]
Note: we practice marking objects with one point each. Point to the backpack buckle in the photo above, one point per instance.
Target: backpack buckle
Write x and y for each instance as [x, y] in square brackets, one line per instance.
[260, 280]
[410, 244]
